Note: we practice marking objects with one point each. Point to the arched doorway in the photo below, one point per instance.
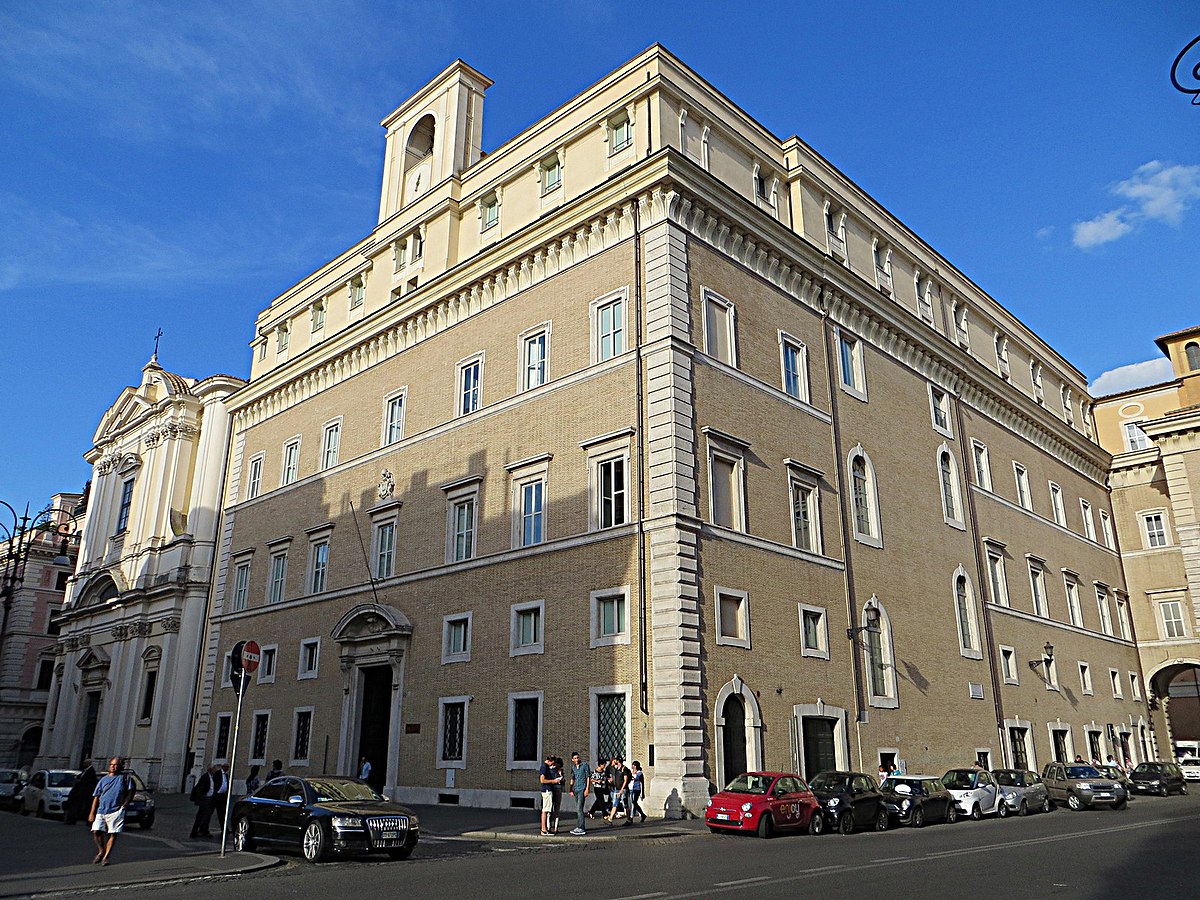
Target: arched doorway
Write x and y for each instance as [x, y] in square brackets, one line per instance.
[31, 742]
[733, 736]
[737, 741]
[1175, 689]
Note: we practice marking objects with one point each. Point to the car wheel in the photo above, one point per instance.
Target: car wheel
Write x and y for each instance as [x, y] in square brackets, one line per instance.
[1002, 809]
[313, 843]
[1047, 804]
[1164, 791]
[1120, 804]
[766, 826]
[952, 813]
[243, 840]
[881, 819]
[846, 823]
[1023, 809]
[976, 813]
[1182, 789]
[816, 823]
[918, 817]
[400, 853]
[1073, 803]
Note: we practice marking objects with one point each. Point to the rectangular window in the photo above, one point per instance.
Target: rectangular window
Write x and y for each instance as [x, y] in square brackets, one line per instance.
[1021, 475]
[850, 365]
[983, 466]
[1050, 673]
[610, 329]
[925, 300]
[283, 337]
[393, 419]
[620, 134]
[939, 407]
[610, 476]
[489, 212]
[1123, 618]
[1171, 612]
[524, 731]
[1135, 438]
[358, 293]
[221, 742]
[1020, 750]
[1155, 530]
[806, 522]
[1135, 687]
[318, 315]
[1008, 665]
[291, 462]
[470, 385]
[794, 360]
[1106, 530]
[45, 675]
[126, 504]
[278, 576]
[610, 618]
[1037, 586]
[611, 724]
[1105, 615]
[1074, 611]
[814, 632]
[1085, 678]
[453, 728]
[1002, 356]
[241, 586]
[531, 496]
[527, 632]
[533, 361]
[719, 341]
[1056, 504]
[302, 730]
[385, 549]
[1089, 524]
[330, 443]
[462, 524]
[726, 477]
[320, 567]
[1114, 678]
[310, 658]
[551, 174]
[254, 480]
[456, 638]
[266, 665]
[258, 740]
[733, 618]
[998, 578]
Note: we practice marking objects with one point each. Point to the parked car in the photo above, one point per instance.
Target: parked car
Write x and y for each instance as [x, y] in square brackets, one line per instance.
[1158, 778]
[850, 800]
[10, 787]
[1080, 786]
[763, 802]
[47, 791]
[324, 816]
[1190, 766]
[917, 799]
[141, 808]
[1117, 774]
[975, 792]
[1022, 791]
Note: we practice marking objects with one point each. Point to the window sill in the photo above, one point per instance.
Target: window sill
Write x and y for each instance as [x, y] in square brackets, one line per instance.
[884, 702]
[532, 650]
[451, 764]
[742, 643]
[451, 658]
[814, 654]
[868, 540]
[970, 654]
[611, 640]
[306, 676]
[854, 392]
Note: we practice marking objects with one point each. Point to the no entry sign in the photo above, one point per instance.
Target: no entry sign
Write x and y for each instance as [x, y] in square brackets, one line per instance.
[246, 655]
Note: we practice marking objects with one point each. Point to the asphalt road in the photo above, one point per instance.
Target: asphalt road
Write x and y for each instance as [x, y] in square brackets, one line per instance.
[1145, 851]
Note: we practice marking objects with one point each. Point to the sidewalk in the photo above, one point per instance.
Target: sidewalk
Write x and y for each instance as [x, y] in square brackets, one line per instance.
[478, 824]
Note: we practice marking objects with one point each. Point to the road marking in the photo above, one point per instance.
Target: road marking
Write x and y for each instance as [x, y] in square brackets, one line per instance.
[643, 896]
[891, 859]
[743, 881]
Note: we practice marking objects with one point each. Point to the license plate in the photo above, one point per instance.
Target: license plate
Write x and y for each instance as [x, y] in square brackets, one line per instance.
[390, 835]
[724, 817]
[1104, 796]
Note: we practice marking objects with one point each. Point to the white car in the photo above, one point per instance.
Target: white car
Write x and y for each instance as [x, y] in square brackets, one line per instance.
[975, 792]
[10, 785]
[47, 792]
[1191, 768]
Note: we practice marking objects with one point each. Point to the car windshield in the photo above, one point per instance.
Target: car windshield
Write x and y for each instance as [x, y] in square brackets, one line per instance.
[61, 779]
[1152, 768]
[8, 776]
[749, 784]
[828, 781]
[1082, 772]
[914, 785]
[1009, 779]
[959, 779]
[342, 791]
[138, 784]
[1190, 761]
[1108, 771]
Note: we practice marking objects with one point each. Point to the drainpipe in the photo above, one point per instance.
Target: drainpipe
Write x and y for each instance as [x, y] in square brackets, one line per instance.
[639, 434]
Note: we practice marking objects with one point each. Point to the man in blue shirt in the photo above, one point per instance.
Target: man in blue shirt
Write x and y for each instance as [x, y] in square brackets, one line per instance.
[113, 792]
[581, 780]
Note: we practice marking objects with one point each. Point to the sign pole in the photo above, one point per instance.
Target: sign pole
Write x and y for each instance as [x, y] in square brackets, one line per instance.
[237, 722]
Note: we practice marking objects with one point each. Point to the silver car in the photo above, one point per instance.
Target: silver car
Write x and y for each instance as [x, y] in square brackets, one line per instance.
[1022, 791]
[10, 783]
[47, 792]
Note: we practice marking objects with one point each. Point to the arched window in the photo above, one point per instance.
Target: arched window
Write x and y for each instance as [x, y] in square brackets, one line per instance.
[952, 511]
[964, 613]
[1192, 350]
[880, 658]
[864, 498]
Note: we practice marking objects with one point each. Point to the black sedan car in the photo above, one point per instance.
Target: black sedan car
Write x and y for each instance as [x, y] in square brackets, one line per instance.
[141, 805]
[850, 800]
[323, 816]
[1158, 778]
[917, 799]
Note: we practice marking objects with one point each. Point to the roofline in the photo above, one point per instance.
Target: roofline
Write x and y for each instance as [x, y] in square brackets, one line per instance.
[1174, 382]
[1162, 339]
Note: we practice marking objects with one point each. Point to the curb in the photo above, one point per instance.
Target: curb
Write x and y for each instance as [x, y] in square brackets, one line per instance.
[19, 888]
[595, 834]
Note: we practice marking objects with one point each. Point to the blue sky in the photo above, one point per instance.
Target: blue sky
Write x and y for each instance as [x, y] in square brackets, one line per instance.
[177, 165]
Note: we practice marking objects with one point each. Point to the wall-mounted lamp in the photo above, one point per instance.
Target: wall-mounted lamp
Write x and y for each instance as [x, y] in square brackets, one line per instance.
[1047, 656]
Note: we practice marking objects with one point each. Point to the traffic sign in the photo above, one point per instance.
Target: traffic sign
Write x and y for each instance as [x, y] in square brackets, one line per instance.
[250, 655]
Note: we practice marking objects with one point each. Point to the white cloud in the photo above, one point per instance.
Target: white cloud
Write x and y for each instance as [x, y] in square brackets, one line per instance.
[1045, 233]
[1157, 193]
[1135, 375]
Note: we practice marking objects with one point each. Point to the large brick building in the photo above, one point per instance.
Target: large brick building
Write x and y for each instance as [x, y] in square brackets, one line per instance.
[649, 432]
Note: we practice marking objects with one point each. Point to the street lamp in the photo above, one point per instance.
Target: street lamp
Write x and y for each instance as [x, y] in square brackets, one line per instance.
[25, 533]
[870, 626]
[1047, 657]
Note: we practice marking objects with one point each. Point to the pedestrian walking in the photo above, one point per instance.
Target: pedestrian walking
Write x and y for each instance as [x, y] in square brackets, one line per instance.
[600, 790]
[619, 785]
[204, 795]
[547, 778]
[253, 782]
[80, 797]
[107, 816]
[581, 784]
[557, 791]
[221, 797]
[364, 768]
[276, 769]
[637, 784]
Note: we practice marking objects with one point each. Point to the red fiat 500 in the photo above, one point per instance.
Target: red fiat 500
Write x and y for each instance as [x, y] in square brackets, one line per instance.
[763, 802]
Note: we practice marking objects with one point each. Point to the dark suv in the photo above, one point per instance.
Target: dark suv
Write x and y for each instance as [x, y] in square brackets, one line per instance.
[850, 800]
[1158, 778]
